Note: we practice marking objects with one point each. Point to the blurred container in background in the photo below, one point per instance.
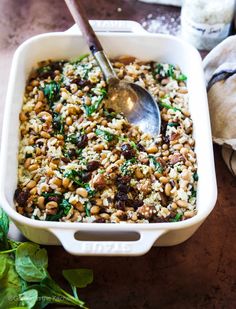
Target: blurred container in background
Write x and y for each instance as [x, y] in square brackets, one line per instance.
[206, 23]
[166, 2]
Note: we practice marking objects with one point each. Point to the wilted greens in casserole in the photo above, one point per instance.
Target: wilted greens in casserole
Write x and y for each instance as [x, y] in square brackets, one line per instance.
[82, 162]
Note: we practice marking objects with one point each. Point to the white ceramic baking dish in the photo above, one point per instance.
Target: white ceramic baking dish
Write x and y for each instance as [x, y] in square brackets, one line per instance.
[118, 38]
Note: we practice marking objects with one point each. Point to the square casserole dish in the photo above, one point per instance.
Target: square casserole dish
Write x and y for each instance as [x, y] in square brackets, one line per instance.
[118, 38]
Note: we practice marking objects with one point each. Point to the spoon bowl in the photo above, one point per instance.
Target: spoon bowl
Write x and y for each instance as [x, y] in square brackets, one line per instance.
[136, 104]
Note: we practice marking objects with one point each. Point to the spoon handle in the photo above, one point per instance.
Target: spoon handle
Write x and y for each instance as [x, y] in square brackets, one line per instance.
[94, 44]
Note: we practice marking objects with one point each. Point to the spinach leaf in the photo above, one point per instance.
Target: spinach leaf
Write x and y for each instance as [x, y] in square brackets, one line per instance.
[159, 70]
[164, 72]
[170, 71]
[29, 298]
[28, 265]
[132, 144]
[125, 167]
[89, 190]
[87, 209]
[10, 278]
[66, 206]
[173, 124]
[177, 217]
[50, 194]
[57, 123]
[157, 165]
[79, 278]
[52, 91]
[57, 294]
[31, 262]
[28, 155]
[109, 114]
[45, 69]
[19, 308]
[3, 265]
[74, 176]
[79, 59]
[105, 134]
[72, 138]
[90, 109]
[181, 77]
[48, 295]
[193, 193]
[55, 217]
[195, 176]
[4, 228]
[9, 298]
[168, 106]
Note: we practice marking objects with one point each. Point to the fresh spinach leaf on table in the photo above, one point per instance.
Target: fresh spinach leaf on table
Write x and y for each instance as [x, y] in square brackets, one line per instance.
[31, 262]
[79, 278]
[29, 298]
[24, 279]
[4, 228]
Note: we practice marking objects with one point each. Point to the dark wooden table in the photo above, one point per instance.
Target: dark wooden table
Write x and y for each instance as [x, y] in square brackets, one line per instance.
[199, 273]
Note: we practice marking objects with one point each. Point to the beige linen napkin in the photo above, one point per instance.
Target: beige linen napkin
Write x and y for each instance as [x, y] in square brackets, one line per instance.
[220, 74]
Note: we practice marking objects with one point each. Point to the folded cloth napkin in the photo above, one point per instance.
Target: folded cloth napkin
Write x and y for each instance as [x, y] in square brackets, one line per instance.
[220, 74]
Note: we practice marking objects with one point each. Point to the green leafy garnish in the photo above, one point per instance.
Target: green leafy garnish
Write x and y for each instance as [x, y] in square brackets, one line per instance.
[181, 77]
[109, 115]
[173, 124]
[28, 155]
[57, 123]
[66, 206]
[168, 106]
[193, 193]
[50, 194]
[44, 69]
[89, 190]
[168, 72]
[177, 217]
[55, 217]
[52, 91]
[123, 139]
[79, 59]
[133, 145]
[72, 138]
[195, 176]
[90, 109]
[25, 282]
[105, 134]
[125, 167]
[75, 176]
[157, 165]
[63, 210]
[160, 70]
[87, 209]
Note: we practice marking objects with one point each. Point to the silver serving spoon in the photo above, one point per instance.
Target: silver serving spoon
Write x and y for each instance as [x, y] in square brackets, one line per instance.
[134, 101]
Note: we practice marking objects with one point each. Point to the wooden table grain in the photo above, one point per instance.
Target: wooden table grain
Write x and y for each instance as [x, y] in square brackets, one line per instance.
[199, 273]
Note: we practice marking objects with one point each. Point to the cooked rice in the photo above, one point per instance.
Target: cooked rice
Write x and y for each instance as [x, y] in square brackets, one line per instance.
[82, 162]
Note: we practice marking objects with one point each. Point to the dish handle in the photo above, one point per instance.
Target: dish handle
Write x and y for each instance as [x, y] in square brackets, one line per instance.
[107, 248]
[111, 26]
